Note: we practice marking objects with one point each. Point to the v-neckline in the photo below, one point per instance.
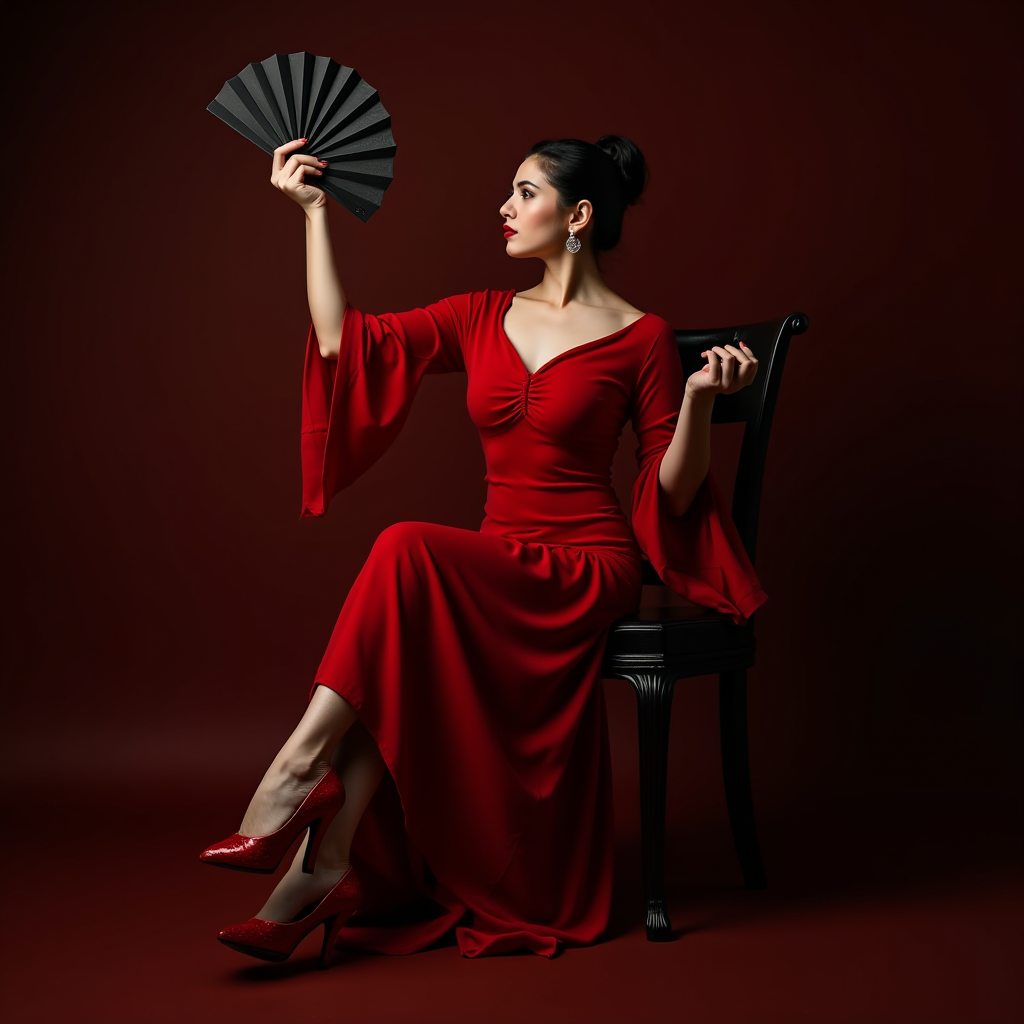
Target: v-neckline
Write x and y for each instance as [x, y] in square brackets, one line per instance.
[568, 351]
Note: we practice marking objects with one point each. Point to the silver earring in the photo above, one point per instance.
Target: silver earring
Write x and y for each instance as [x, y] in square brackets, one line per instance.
[572, 243]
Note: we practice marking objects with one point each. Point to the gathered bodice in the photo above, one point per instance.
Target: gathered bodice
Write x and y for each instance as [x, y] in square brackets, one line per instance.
[549, 437]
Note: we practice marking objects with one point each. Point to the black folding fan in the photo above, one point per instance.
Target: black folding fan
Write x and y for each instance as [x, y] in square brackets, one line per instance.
[298, 95]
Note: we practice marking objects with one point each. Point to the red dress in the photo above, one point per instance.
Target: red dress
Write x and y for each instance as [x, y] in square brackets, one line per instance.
[474, 657]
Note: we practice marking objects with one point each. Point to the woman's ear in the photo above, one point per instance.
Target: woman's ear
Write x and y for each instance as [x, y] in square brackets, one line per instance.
[581, 215]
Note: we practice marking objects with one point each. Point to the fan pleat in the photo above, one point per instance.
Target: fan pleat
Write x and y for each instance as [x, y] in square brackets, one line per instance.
[341, 86]
[356, 105]
[360, 199]
[290, 96]
[243, 129]
[256, 83]
[382, 144]
[370, 172]
[235, 98]
[363, 192]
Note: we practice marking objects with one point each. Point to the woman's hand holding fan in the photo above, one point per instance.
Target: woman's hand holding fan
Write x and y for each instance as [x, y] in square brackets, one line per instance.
[289, 175]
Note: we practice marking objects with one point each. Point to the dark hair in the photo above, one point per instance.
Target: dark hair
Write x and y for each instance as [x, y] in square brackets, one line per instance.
[611, 174]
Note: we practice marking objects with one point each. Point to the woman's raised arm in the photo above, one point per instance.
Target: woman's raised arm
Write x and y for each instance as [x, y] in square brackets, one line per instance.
[324, 293]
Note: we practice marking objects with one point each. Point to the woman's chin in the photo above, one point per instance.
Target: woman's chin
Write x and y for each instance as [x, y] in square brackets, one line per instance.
[519, 252]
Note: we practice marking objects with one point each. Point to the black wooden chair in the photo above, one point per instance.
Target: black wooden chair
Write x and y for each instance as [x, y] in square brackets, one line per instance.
[668, 640]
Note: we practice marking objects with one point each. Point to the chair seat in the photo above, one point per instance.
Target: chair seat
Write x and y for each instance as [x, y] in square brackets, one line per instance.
[669, 632]
[661, 602]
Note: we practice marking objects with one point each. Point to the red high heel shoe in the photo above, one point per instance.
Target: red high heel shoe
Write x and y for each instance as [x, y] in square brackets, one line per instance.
[273, 940]
[263, 854]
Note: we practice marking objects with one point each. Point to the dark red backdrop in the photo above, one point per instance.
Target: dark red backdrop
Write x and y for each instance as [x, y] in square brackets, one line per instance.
[858, 162]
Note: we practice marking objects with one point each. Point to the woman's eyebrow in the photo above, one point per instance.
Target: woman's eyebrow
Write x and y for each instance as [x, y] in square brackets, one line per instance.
[520, 184]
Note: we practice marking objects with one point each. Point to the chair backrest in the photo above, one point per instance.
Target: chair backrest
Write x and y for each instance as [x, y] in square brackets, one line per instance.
[753, 405]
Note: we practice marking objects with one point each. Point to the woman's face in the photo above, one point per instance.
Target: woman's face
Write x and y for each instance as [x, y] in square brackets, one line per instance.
[534, 226]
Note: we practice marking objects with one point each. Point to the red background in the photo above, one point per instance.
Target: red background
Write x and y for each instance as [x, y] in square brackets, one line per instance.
[859, 162]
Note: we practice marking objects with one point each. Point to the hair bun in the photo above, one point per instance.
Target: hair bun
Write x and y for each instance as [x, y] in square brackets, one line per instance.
[631, 164]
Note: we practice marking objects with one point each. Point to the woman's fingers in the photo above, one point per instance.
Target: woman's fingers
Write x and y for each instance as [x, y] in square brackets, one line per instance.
[742, 354]
[289, 174]
[748, 367]
[714, 367]
[743, 365]
[295, 165]
[281, 153]
[293, 176]
[729, 366]
[290, 168]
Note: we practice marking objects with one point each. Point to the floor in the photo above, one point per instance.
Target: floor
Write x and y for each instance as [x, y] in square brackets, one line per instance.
[872, 914]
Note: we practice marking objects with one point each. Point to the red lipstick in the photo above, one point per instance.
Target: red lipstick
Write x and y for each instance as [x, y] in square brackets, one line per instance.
[509, 232]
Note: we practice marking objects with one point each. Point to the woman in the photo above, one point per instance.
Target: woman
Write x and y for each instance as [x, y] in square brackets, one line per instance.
[464, 668]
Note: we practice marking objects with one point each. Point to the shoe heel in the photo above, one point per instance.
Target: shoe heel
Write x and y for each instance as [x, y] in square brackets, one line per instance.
[317, 831]
[332, 926]
[313, 841]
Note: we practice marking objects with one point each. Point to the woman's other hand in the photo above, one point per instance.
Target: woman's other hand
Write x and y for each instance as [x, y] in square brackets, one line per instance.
[289, 175]
[729, 369]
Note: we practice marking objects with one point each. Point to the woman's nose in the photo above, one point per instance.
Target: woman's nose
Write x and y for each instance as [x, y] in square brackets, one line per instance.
[506, 208]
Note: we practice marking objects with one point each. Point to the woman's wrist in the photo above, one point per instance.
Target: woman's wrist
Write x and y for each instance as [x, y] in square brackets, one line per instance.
[699, 400]
[315, 214]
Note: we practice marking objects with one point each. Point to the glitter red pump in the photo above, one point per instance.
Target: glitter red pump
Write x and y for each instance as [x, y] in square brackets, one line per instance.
[262, 854]
[272, 940]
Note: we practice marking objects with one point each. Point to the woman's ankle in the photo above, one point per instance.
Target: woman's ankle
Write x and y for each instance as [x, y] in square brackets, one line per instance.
[334, 865]
[297, 768]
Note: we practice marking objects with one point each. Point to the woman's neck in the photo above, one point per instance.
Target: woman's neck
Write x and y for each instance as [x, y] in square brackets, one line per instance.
[571, 277]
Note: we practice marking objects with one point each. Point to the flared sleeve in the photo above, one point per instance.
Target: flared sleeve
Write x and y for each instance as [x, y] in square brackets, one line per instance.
[353, 407]
[699, 554]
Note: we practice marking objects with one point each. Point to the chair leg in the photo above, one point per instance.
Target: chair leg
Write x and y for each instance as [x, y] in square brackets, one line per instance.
[732, 711]
[654, 716]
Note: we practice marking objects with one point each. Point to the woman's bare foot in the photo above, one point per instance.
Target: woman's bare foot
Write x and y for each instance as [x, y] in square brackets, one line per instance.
[278, 796]
[297, 892]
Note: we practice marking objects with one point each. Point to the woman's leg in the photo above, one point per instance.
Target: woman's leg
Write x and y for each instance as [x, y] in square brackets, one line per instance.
[358, 762]
[300, 763]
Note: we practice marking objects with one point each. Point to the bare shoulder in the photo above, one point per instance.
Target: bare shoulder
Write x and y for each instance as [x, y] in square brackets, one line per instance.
[619, 314]
[616, 303]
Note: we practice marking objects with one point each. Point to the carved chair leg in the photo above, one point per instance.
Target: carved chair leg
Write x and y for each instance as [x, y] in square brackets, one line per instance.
[732, 711]
[654, 716]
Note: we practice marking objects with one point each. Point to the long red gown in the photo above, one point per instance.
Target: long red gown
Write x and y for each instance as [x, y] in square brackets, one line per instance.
[473, 657]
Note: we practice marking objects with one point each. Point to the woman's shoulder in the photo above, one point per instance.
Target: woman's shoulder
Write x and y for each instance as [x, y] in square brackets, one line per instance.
[481, 296]
[648, 323]
[480, 303]
[660, 324]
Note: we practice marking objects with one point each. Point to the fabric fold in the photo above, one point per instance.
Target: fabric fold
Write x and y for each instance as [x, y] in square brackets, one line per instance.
[699, 554]
[354, 407]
